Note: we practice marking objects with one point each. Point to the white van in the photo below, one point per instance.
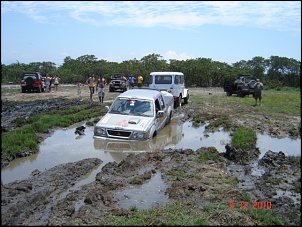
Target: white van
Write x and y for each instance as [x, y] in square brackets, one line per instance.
[172, 82]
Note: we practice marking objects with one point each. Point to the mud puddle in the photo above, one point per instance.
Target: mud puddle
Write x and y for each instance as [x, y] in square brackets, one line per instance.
[66, 146]
[146, 196]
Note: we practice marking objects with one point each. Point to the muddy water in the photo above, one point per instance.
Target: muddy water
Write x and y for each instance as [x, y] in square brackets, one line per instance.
[66, 146]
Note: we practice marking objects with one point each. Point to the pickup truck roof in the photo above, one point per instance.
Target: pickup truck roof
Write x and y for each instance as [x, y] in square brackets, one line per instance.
[141, 93]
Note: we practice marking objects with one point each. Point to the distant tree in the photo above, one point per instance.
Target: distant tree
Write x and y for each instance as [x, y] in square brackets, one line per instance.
[275, 71]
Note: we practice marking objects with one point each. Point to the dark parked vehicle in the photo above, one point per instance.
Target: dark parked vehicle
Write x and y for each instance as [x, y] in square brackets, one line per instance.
[32, 81]
[118, 82]
[242, 85]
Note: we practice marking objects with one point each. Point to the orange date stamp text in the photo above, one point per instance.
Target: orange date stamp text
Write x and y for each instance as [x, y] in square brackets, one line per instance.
[256, 205]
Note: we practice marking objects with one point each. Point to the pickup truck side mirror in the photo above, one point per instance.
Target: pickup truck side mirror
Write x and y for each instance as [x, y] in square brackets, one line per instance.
[106, 108]
[160, 113]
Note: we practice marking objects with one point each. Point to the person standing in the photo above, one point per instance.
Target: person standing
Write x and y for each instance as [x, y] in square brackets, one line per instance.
[51, 79]
[258, 91]
[101, 88]
[56, 82]
[140, 81]
[131, 81]
[91, 84]
[79, 89]
[47, 83]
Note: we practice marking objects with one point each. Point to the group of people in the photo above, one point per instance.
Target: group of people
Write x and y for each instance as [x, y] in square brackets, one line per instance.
[99, 85]
[49, 80]
[93, 85]
[132, 80]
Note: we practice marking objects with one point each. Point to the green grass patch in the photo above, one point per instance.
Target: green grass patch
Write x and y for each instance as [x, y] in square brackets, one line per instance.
[244, 138]
[169, 215]
[18, 140]
[264, 217]
[25, 138]
[210, 154]
[284, 102]
[180, 175]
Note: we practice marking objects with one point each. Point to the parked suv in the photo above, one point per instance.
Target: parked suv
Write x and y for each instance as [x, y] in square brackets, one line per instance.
[32, 81]
[118, 82]
[242, 85]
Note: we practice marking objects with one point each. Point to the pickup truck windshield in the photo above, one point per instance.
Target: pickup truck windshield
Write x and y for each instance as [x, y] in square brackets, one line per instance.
[132, 107]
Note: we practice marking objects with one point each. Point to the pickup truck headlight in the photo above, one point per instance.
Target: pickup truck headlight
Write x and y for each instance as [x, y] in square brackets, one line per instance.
[138, 136]
[100, 131]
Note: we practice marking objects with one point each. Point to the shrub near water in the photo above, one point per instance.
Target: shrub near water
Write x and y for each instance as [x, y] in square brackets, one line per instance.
[244, 138]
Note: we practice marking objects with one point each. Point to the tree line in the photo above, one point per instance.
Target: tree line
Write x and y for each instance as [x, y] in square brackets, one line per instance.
[274, 72]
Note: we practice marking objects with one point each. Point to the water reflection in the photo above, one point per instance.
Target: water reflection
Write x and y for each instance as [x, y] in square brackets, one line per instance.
[288, 146]
[146, 196]
[194, 138]
[119, 149]
[66, 146]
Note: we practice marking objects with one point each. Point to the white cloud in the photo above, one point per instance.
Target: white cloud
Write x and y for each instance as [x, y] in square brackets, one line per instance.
[278, 15]
[173, 55]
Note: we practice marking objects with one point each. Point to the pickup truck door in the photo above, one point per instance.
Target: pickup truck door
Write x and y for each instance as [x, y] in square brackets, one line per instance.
[160, 117]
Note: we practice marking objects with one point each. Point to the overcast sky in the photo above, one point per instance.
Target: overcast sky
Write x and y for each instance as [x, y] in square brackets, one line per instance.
[228, 31]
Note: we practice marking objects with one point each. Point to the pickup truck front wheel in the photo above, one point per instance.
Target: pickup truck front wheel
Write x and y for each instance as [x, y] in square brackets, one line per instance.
[168, 121]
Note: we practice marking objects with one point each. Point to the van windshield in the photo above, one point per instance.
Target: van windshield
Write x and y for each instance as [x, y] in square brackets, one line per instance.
[163, 79]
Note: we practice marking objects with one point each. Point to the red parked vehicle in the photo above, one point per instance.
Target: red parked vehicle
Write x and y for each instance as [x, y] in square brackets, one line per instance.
[32, 81]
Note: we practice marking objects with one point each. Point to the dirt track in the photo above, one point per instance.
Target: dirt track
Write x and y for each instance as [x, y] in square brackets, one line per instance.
[37, 200]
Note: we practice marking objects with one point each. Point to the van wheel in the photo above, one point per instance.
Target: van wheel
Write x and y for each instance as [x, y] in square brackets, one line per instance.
[186, 99]
[177, 102]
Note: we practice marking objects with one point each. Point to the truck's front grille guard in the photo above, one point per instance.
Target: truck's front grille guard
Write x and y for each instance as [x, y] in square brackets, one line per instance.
[120, 134]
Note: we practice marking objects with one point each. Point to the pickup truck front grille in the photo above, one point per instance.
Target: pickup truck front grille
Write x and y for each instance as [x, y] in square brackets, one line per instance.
[117, 133]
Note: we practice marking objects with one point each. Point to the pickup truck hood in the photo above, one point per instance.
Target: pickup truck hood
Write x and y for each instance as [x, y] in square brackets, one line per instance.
[127, 122]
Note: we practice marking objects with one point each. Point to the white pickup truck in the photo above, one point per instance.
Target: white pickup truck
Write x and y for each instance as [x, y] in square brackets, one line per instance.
[172, 82]
[136, 114]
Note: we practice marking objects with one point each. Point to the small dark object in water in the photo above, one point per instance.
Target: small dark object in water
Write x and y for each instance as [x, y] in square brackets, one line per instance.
[80, 130]
[210, 93]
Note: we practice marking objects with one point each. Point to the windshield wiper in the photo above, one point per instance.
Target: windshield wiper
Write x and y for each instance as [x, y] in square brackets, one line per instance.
[118, 112]
[139, 114]
[115, 112]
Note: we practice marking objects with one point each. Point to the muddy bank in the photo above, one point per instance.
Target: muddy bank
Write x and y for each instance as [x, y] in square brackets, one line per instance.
[45, 198]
